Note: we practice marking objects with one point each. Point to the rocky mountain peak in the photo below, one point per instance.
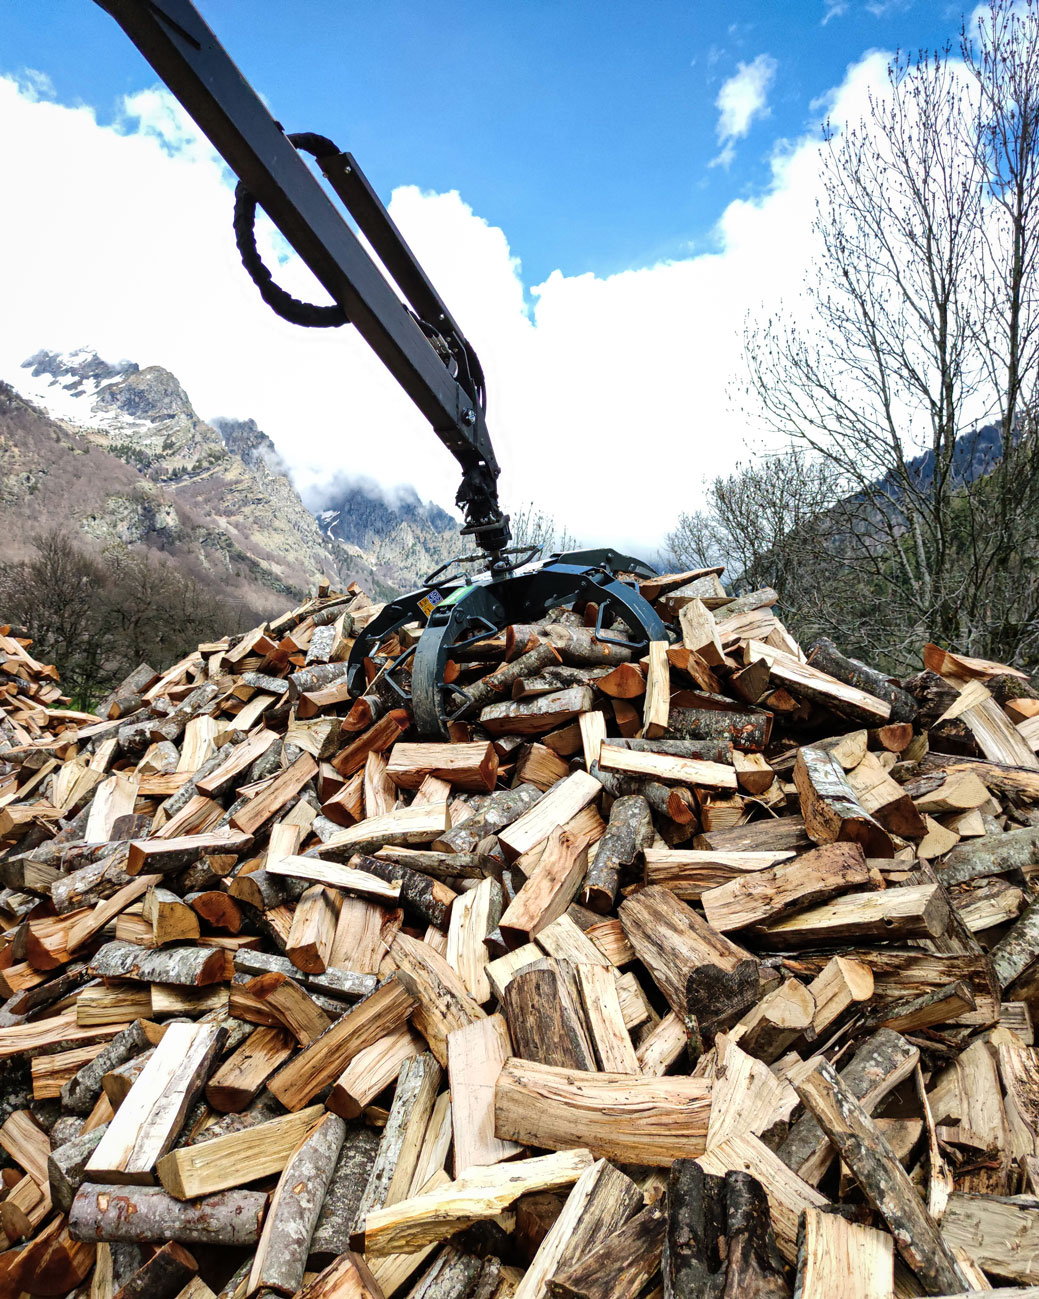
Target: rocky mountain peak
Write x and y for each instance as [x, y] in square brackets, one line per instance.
[79, 373]
[151, 394]
[245, 439]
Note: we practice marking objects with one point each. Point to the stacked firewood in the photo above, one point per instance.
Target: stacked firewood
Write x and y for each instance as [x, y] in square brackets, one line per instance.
[708, 972]
[31, 702]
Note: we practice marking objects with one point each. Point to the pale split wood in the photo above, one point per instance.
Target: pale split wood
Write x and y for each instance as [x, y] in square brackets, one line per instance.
[224, 1162]
[475, 1056]
[621, 1117]
[837, 1257]
[479, 1194]
[151, 1115]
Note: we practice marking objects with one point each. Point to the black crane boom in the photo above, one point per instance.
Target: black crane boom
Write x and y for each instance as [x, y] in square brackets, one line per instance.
[442, 377]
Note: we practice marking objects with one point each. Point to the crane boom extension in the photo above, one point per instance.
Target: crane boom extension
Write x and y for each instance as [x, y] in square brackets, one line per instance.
[182, 49]
[424, 350]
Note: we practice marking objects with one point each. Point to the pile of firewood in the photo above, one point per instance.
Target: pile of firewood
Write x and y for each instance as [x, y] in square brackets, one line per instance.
[31, 702]
[707, 973]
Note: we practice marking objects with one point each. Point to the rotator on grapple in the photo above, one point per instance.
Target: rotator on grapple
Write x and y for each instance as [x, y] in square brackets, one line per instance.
[422, 346]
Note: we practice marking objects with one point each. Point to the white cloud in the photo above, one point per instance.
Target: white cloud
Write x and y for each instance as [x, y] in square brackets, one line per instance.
[834, 9]
[608, 402]
[741, 101]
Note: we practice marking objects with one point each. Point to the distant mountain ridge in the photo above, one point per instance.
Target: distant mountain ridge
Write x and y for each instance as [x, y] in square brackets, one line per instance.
[216, 492]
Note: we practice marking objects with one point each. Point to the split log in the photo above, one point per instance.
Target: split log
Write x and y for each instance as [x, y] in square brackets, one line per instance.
[997, 1233]
[537, 715]
[171, 919]
[621, 1264]
[825, 656]
[781, 834]
[548, 890]
[546, 1023]
[829, 808]
[628, 833]
[746, 730]
[754, 775]
[281, 1256]
[475, 1055]
[557, 807]
[605, 1020]
[441, 1001]
[838, 1257]
[885, 800]
[767, 894]
[163, 1276]
[371, 1070]
[706, 750]
[471, 767]
[481, 1193]
[625, 681]
[915, 1013]
[347, 1277]
[662, 766]
[882, 1178]
[809, 683]
[309, 944]
[280, 998]
[502, 809]
[839, 985]
[151, 1116]
[538, 765]
[218, 909]
[914, 909]
[688, 873]
[217, 1164]
[602, 1200]
[473, 916]
[671, 801]
[655, 719]
[699, 971]
[186, 966]
[423, 824]
[377, 739]
[319, 1064]
[241, 1076]
[700, 632]
[627, 1119]
[141, 1214]
[776, 1022]
[166, 855]
[360, 882]
[874, 1071]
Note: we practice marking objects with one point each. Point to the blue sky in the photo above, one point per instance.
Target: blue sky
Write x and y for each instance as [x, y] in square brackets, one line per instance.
[603, 193]
[584, 129]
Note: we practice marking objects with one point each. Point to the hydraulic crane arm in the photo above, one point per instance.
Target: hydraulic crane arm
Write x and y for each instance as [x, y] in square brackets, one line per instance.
[423, 349]
[426, 353]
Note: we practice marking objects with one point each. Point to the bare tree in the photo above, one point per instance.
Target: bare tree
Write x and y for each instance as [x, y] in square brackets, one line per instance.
[97, 618]
[922, 326]
[773, 522]
[533, 526]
